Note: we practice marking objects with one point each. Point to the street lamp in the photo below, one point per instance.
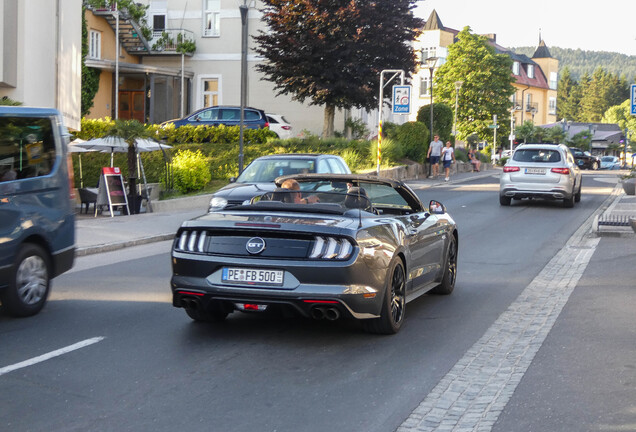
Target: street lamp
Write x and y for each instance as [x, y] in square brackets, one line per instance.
[430, 63]
[243, 8]
[458, 85]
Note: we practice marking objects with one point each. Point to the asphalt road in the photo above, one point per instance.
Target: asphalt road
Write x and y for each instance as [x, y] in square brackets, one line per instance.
[148, 367]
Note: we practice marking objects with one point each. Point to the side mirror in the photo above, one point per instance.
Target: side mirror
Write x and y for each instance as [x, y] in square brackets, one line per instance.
[232, 179]
[436, 207]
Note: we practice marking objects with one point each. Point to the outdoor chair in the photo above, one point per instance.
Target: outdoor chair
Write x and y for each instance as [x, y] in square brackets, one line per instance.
[87, 198]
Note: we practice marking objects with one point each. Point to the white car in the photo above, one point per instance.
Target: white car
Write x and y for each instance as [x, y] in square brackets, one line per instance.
[279, 125]
[546, 171]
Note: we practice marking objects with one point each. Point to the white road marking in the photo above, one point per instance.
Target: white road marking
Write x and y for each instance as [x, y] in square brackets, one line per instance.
[50, 355]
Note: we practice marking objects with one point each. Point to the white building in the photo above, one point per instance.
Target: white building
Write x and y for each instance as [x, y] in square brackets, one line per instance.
[40, 54]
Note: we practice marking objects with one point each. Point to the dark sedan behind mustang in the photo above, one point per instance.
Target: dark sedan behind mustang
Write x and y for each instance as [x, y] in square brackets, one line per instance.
[362, 249]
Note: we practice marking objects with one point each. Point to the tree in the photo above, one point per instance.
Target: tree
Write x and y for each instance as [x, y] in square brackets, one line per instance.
[568, 96]
[332, 52]
[487, 86]
[555, 135]
[582, 140]
[601, 92]
[129, 131]
[620, 115]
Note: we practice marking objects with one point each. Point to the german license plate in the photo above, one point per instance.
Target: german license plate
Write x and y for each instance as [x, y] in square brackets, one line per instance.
[252, 276]
[538, 171]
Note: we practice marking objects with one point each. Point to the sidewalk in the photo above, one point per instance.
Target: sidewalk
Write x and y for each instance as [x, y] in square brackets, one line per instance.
[104, 233]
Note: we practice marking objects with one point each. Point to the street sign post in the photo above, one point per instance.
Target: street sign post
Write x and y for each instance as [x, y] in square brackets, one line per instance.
[401, 99]
[633, 99]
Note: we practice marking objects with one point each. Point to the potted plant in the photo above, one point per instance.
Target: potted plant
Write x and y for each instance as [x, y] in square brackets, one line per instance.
[629, 183]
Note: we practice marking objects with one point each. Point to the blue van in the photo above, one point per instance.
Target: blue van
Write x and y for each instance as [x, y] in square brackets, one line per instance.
[37, 210]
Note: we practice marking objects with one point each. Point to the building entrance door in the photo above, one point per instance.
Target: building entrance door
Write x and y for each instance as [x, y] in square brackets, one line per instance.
[132, 105]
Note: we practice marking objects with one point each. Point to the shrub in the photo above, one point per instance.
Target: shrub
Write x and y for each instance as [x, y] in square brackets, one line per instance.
[412, 137]
[391, 152]
[190, 171]
[353, 159]
[442, 119]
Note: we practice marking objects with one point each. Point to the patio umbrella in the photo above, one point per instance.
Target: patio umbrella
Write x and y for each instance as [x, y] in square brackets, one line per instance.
[74, 147]
[119, 145]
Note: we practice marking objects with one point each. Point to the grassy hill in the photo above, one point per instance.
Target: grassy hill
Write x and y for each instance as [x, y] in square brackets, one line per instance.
[580, 61]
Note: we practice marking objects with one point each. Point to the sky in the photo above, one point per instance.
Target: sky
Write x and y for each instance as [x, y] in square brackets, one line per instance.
[608, 25]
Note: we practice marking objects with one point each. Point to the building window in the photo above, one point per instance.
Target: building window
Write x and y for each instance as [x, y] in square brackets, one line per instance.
[158, 24]
[210, 92]
[530, 71]
[211, 17]
[553, 80]
[528, 101]
[425, 90]
[552, 106]
[428, 53]
[95, 44]
[515, 68]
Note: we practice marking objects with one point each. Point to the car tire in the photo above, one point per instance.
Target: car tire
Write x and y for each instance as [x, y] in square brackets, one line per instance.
[595, 166]
[450, 270]
[213, 314]
[30, 282]
[569, 202]
[394, 304]
[504, 200]
[577, 196]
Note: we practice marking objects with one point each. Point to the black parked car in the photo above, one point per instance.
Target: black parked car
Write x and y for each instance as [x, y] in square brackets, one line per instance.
[362, 249]
[585, 160]
[258, 177]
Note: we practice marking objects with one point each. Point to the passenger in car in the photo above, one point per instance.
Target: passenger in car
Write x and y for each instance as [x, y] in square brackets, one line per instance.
[297, 197]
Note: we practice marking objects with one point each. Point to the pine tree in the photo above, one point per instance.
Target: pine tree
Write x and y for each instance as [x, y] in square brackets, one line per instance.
[568, 96]
[331, 52]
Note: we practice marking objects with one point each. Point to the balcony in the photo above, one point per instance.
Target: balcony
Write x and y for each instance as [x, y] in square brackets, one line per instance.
[172, 41]
[532, 107]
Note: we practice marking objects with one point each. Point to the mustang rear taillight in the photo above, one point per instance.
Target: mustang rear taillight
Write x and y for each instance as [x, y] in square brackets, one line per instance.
[286, 127]
[565, 171]
[192, 241]
[511, 169]
[331, 248]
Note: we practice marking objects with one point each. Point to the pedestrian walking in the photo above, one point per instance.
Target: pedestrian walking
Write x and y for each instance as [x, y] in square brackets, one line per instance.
[434, 153]
[448, 158]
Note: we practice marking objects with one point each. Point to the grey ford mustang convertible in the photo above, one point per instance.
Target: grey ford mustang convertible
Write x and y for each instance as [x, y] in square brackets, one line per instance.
[339, 246]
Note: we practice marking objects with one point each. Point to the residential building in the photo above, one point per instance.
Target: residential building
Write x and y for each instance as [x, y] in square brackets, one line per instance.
[129, 87]
[40, 55]
[607, 138]
[535, 78]
[211, 74]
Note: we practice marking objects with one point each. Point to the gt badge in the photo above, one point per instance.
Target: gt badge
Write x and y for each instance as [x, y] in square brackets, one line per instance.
[255, 245]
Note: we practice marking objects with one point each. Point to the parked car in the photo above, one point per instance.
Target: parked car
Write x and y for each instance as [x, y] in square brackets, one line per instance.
[258, 177]
[223, 115]
[585, 160]
[610, 163]
[362, 251]
[280, 126]
[37, 208]
[544, 171]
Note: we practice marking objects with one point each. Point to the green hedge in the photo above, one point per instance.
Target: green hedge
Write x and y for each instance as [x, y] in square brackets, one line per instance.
[219, 146]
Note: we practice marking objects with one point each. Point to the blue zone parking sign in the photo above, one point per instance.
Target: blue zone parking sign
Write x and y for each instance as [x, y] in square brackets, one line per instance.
[401, 99]
[633, 99]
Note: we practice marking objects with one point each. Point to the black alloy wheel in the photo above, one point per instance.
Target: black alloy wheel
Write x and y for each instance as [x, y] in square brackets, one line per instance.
[394, 305]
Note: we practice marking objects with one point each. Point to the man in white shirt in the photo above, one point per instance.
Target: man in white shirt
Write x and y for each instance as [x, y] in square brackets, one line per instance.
[434, 153]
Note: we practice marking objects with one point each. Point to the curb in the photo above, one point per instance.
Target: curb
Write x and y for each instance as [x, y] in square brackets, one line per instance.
[109, 247]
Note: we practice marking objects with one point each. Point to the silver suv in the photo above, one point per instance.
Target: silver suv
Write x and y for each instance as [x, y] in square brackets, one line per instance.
[545, 171]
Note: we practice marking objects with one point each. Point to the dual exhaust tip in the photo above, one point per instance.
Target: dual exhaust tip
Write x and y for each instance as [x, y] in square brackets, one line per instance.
[328, 313]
